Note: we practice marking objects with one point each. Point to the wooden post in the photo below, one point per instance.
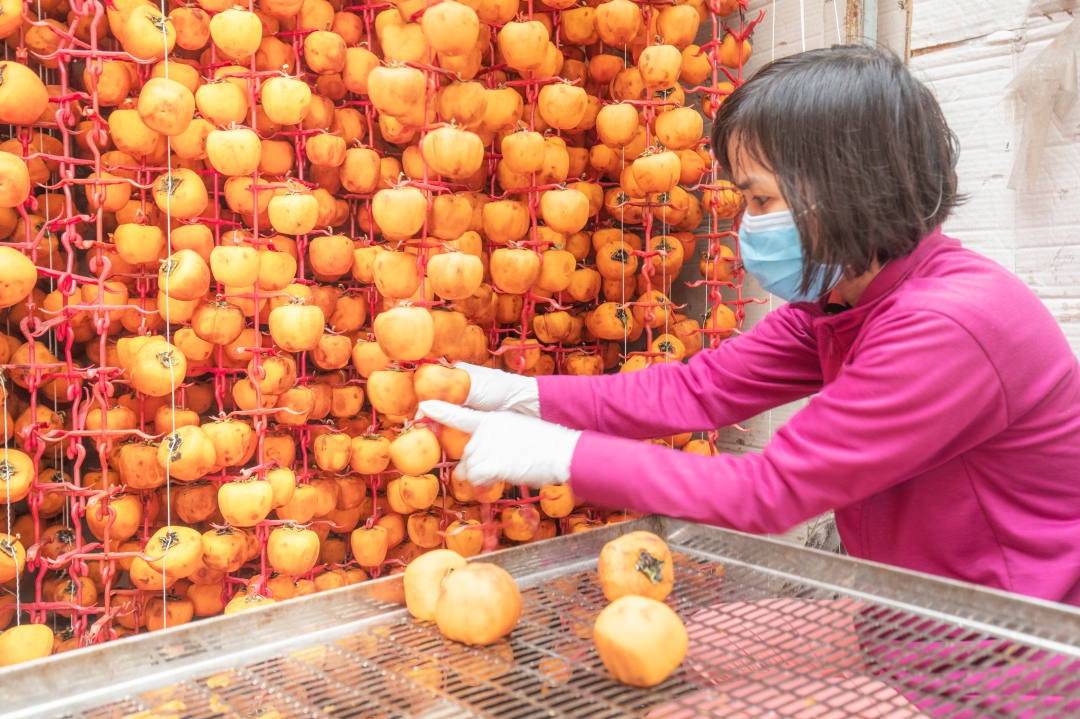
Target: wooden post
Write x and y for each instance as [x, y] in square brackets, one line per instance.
[907, 35]
[861, 22]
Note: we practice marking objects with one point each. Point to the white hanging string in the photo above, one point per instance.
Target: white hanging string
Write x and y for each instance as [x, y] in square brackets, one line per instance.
[41, 149]
[622, 238]
[802, 22]
[772, 42]
[7, 508]
[172, 380]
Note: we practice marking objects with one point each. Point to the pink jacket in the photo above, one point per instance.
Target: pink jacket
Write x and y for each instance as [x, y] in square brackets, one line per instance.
[945, 430]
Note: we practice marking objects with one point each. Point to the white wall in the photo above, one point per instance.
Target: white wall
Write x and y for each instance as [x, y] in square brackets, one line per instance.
[967, 51]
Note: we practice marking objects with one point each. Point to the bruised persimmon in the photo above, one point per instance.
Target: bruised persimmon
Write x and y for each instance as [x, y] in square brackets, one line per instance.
[434, 381]
[465, 537]
[415, 451]
[292, 550]
[405, 333]
[369, 545]
[369, 454]
[297, 326]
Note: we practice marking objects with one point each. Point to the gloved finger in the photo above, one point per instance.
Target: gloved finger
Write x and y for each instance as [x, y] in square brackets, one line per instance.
[491, 472]
[467, 420]
[484, 473]
[421, 414]
[477, 375]
[468, 458]
[464, 461]
[538, 482]
[473, 455]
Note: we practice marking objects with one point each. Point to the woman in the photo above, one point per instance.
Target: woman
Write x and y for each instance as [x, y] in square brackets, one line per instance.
[945, 426]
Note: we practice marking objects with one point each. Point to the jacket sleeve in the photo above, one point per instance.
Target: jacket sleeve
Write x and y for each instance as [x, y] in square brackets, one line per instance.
[774, 363]
[919, 392]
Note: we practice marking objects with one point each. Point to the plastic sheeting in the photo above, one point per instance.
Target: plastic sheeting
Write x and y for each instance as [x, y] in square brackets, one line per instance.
[1047, 89]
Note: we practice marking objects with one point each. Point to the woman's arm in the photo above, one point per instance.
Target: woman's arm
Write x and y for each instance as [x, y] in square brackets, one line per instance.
[774, 363]
[919, 394]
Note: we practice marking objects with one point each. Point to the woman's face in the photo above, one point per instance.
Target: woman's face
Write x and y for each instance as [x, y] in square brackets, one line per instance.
[758, 185]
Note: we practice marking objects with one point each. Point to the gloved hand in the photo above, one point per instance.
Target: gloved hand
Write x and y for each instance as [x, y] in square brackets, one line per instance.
[493, 390]
[506, 446]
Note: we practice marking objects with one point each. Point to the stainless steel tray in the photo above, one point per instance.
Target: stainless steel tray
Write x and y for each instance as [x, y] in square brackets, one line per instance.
[776, 631]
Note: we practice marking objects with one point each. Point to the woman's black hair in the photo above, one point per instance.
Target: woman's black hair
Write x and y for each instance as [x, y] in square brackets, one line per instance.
[861, 151]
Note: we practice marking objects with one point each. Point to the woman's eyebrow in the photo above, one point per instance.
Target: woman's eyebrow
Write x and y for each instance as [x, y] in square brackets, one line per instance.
[748, 182]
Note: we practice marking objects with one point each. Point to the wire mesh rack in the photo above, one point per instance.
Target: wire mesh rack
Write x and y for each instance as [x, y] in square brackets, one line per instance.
[68, 401]
[775, 631]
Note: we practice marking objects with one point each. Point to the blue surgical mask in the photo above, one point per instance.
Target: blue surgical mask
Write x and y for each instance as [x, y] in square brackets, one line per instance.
[771, 252]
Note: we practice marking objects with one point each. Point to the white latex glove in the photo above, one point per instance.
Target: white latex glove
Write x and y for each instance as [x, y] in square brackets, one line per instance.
[493, 390]
[506, 446]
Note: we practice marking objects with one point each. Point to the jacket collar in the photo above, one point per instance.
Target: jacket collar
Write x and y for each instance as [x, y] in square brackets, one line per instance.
[897, 270]
[887, 281]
